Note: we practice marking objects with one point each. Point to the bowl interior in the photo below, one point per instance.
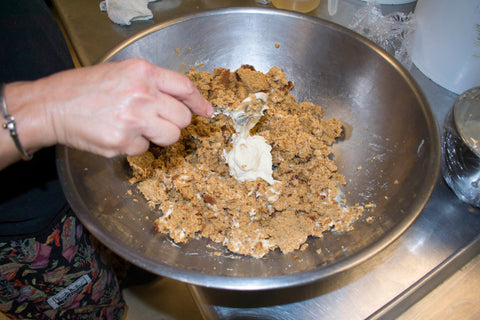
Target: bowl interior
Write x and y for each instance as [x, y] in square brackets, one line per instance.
[390, 153]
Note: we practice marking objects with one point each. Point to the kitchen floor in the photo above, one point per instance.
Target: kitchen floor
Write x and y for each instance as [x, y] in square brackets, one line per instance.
[457, 298]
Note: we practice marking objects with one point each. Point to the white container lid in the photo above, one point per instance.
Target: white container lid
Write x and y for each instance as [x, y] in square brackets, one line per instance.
[392, 1]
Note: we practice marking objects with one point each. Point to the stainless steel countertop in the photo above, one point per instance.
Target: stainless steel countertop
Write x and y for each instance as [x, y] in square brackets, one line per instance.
[440, 242]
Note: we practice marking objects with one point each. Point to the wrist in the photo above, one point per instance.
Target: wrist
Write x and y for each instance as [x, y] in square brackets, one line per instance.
[11, 126]
[24, 104]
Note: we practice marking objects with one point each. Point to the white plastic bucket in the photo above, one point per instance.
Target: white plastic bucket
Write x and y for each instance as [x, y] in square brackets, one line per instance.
[446, 44]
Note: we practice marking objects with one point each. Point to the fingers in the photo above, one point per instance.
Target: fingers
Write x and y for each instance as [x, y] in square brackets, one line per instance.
[161, 132]
[180, 87]
[115, 140]
[137, 146]
[172, 110]
[157, 120]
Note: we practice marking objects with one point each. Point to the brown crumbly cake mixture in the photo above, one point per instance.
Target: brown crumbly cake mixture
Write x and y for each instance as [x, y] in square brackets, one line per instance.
[190, 182]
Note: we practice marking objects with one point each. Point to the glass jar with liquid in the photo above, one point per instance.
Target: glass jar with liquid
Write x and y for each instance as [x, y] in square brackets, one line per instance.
[297, 5]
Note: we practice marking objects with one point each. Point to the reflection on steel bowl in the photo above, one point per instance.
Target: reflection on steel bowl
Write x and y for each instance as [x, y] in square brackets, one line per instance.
[390, 133]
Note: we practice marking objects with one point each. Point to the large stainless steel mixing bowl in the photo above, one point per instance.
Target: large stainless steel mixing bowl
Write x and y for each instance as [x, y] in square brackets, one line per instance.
[390, 154]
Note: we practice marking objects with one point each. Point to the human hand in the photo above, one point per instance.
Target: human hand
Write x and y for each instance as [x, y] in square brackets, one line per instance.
[108, 109]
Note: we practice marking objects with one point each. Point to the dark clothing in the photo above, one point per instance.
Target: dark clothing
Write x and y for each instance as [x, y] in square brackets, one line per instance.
[31, 46]
[31, 196]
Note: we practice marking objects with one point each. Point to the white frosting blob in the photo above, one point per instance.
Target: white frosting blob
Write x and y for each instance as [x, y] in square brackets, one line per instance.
[250, 158]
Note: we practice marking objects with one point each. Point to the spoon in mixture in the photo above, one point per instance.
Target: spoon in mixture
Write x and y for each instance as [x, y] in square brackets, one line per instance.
[249, 111]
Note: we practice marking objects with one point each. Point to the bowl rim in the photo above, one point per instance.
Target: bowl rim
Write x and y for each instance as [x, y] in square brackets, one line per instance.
[273, 282]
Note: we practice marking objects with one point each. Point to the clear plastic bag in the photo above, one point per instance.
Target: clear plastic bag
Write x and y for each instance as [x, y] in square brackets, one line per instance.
[393, 32]
[461, 149]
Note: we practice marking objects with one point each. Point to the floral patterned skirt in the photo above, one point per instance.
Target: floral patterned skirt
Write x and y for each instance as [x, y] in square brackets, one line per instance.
[57, 275]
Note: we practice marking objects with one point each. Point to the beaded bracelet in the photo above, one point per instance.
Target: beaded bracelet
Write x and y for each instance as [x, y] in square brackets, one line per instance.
[10, 125]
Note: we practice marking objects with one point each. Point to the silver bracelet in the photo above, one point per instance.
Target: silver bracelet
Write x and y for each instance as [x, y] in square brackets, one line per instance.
[10, 125]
